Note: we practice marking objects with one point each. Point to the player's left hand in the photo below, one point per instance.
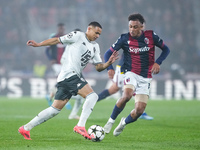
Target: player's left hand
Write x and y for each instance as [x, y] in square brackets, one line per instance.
[113, 57]
[155, 69]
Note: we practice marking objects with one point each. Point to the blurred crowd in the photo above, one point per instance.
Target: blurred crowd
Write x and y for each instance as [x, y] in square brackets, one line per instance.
[22, 20]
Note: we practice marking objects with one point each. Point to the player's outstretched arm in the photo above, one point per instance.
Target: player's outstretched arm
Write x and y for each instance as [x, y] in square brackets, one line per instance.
[52, 41]
[112, 59]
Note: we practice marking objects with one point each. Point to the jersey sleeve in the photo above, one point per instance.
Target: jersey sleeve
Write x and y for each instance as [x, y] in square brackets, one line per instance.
[165, 50]
[157, 40]
[97, 58]
[118, 44]
[71, 37]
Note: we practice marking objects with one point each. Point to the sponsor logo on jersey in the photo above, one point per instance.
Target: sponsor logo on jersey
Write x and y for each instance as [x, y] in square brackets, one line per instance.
[137, 50]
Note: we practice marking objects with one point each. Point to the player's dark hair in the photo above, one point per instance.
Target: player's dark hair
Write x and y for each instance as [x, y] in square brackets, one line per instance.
[95, 24]
[135, 17]
[60, 24]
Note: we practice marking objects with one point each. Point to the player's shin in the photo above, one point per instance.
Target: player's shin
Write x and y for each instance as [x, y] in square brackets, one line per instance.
[42, 117]
[88, 106]
[129, 119]
[116, 112]
[105, 93]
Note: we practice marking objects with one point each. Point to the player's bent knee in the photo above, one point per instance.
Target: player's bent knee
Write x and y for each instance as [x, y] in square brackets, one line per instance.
[126, 98]
[139, 111]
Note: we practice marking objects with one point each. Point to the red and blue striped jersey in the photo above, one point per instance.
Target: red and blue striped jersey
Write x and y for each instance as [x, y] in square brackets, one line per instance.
[139, 53]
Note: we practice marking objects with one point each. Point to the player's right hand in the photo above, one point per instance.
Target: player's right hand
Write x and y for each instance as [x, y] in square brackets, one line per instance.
[32, 43]
[111, 73]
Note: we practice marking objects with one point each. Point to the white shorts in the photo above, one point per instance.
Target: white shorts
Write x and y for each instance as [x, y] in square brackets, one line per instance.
[141, 84]
[118, 77]
[56, 68]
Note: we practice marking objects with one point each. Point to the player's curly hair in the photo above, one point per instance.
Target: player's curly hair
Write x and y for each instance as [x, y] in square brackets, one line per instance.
[135, 17]
[95, 24]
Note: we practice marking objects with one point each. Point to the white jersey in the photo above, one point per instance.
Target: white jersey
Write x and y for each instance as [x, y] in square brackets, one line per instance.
[78, 52]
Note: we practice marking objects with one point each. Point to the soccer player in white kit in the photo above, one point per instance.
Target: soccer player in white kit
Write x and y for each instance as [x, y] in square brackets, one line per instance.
[81, 47]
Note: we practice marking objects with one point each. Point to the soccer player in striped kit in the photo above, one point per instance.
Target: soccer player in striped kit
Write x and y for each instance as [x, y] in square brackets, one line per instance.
[139, 64]
[118, 83]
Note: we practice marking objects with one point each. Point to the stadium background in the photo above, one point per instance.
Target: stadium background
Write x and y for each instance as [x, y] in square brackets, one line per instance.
[175, 21]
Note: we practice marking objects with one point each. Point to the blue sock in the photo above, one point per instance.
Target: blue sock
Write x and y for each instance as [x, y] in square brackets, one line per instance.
[103, 95]
[129, 119]
[116, 112]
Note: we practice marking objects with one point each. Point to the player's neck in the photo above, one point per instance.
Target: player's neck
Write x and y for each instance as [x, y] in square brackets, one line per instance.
[87, 37]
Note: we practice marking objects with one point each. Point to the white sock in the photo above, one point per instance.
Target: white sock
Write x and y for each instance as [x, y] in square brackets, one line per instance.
[77, 105]
[111, 120]
[88, 106]
[123, 122]
[42, 117]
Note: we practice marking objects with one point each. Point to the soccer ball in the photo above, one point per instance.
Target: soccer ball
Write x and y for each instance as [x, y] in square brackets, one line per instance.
[97, 132]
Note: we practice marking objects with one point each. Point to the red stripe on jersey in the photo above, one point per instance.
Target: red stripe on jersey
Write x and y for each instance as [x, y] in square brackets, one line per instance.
[135, 57]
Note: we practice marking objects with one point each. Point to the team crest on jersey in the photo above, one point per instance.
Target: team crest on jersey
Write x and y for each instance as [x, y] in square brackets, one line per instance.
[146, 40]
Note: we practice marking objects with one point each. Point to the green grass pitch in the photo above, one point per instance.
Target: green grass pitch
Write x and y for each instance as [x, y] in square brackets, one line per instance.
[176, 126]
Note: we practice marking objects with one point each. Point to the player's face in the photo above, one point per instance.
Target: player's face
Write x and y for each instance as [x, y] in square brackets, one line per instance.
[93, 33]
[135, 28]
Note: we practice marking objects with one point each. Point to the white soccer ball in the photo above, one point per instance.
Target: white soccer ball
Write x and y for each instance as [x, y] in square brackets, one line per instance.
[97, 132]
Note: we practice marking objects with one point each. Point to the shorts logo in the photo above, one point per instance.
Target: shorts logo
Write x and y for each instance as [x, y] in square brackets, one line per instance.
[82, 79]
[128, 80]
[79, 84]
